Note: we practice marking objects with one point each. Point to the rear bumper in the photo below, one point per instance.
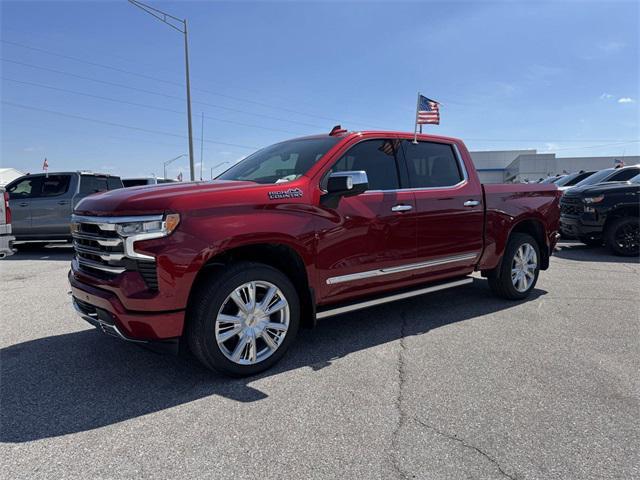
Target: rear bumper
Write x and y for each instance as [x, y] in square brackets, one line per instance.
[5, 245]
[104, 310]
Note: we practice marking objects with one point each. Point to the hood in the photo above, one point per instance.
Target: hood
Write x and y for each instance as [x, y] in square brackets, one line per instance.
[153, 199]
[589, 190]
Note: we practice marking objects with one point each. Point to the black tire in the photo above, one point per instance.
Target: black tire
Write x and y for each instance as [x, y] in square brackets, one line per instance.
[623, 237]
[591, 242]
[209, 297]
[500, 279]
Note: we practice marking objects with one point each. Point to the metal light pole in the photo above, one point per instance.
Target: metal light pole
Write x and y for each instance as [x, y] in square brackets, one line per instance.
[170, 161]
[216, 166]
[169, 20]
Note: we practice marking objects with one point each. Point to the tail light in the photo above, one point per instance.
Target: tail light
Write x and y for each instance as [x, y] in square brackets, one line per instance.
[7, 210]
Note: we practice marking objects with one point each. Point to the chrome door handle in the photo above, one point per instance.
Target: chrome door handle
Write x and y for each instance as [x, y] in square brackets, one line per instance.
[471, 203]
[401, 208]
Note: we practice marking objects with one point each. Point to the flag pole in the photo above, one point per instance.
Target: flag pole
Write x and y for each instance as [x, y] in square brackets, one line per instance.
[415, 127]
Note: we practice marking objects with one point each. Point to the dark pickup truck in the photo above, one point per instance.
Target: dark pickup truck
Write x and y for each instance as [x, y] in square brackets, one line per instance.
[607, 212]
[298, 231]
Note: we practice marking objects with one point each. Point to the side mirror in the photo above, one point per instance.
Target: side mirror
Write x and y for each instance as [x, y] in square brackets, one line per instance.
[347, 184]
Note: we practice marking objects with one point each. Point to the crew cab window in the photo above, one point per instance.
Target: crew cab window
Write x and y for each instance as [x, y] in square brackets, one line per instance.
[282, 162]
[54, 185]
[25, 188]
[377, 158]
[431, 164]
[90, 184]
[624, 175]
[114, 183]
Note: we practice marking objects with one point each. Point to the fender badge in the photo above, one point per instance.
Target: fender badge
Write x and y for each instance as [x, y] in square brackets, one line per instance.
[291, 193]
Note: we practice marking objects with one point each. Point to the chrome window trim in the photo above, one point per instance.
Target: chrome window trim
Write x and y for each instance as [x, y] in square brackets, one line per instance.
[456, 154]
[400, 268]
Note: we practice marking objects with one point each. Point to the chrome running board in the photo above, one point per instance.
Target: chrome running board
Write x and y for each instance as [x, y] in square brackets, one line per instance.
[392, 298]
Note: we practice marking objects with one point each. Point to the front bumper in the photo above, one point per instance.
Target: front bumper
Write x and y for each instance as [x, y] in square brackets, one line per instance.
[580, 227]
[104, 310]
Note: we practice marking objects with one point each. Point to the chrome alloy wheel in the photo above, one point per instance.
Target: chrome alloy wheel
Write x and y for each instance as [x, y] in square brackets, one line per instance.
[523, 267]
[252, 322]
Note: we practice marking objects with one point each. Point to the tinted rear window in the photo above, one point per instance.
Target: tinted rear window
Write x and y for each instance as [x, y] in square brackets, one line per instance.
[431, 165]
[90, 184]
[54, 185]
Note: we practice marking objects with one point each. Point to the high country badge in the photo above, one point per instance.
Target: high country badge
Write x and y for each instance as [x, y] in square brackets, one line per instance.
[291, 193]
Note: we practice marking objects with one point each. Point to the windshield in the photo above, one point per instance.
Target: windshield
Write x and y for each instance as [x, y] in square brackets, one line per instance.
[595, 178]
[282, 162]
[635, 179]
[566, 179]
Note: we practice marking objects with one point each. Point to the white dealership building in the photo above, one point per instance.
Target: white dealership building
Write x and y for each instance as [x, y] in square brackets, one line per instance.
[502, 166]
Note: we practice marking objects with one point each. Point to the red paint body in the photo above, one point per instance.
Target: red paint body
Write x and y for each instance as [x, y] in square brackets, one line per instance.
[360, 234]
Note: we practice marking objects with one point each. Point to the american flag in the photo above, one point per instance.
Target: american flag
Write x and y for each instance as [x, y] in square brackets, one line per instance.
[428, 111]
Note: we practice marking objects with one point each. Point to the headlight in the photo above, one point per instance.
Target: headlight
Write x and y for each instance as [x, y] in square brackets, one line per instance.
[133, 232]
[158, 228]
[590, 200]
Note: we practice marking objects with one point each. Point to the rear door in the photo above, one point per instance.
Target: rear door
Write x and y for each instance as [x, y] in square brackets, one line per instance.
[449, 210]
[21, 192]
[51, 208]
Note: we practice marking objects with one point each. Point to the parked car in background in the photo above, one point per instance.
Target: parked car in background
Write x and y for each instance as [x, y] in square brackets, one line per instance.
[134, 182]
[606, 212]
[5, 225]
[301, 230]
[621, 174]
[41, 204]
[553, 179]
[572, 179]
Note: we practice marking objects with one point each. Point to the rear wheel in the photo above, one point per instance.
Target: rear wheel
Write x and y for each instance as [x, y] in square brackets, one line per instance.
[243, 319]
[623, 236]
[519, 269]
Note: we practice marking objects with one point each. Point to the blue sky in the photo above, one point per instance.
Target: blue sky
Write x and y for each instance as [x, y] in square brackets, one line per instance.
[556, 76]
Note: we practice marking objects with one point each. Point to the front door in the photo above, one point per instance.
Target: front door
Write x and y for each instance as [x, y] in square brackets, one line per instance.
[20, 193]
[450, 214]
[365, 236]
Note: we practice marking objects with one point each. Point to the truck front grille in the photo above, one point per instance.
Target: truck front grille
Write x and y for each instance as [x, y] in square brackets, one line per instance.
[571, 206]
[100, 251]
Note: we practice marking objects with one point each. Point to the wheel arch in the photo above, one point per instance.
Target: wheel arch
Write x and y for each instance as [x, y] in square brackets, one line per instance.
[280, 256]
[535, 228]
[619, 212]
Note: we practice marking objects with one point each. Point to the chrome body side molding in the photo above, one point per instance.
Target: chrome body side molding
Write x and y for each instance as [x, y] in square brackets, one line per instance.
[401, 268]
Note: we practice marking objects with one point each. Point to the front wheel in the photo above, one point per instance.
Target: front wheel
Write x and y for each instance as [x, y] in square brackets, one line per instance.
[243, 319]
[623, 236]
[519, 269]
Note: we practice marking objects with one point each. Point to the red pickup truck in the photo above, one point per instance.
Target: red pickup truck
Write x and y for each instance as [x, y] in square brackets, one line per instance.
[299, 231]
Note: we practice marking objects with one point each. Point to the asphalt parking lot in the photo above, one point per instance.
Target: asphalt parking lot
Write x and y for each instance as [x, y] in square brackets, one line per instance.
[453, 385]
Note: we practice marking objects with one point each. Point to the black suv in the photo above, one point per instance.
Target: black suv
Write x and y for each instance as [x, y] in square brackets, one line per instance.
[607, 212]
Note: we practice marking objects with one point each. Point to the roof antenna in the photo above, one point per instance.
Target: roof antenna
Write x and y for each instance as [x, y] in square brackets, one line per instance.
[336, 130]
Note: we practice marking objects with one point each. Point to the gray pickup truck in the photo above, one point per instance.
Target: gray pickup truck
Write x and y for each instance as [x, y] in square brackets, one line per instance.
[41, 204]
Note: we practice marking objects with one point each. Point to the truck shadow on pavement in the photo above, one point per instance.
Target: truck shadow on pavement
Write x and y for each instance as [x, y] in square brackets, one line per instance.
[585, 253]
[84, 380]
[63, 253]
